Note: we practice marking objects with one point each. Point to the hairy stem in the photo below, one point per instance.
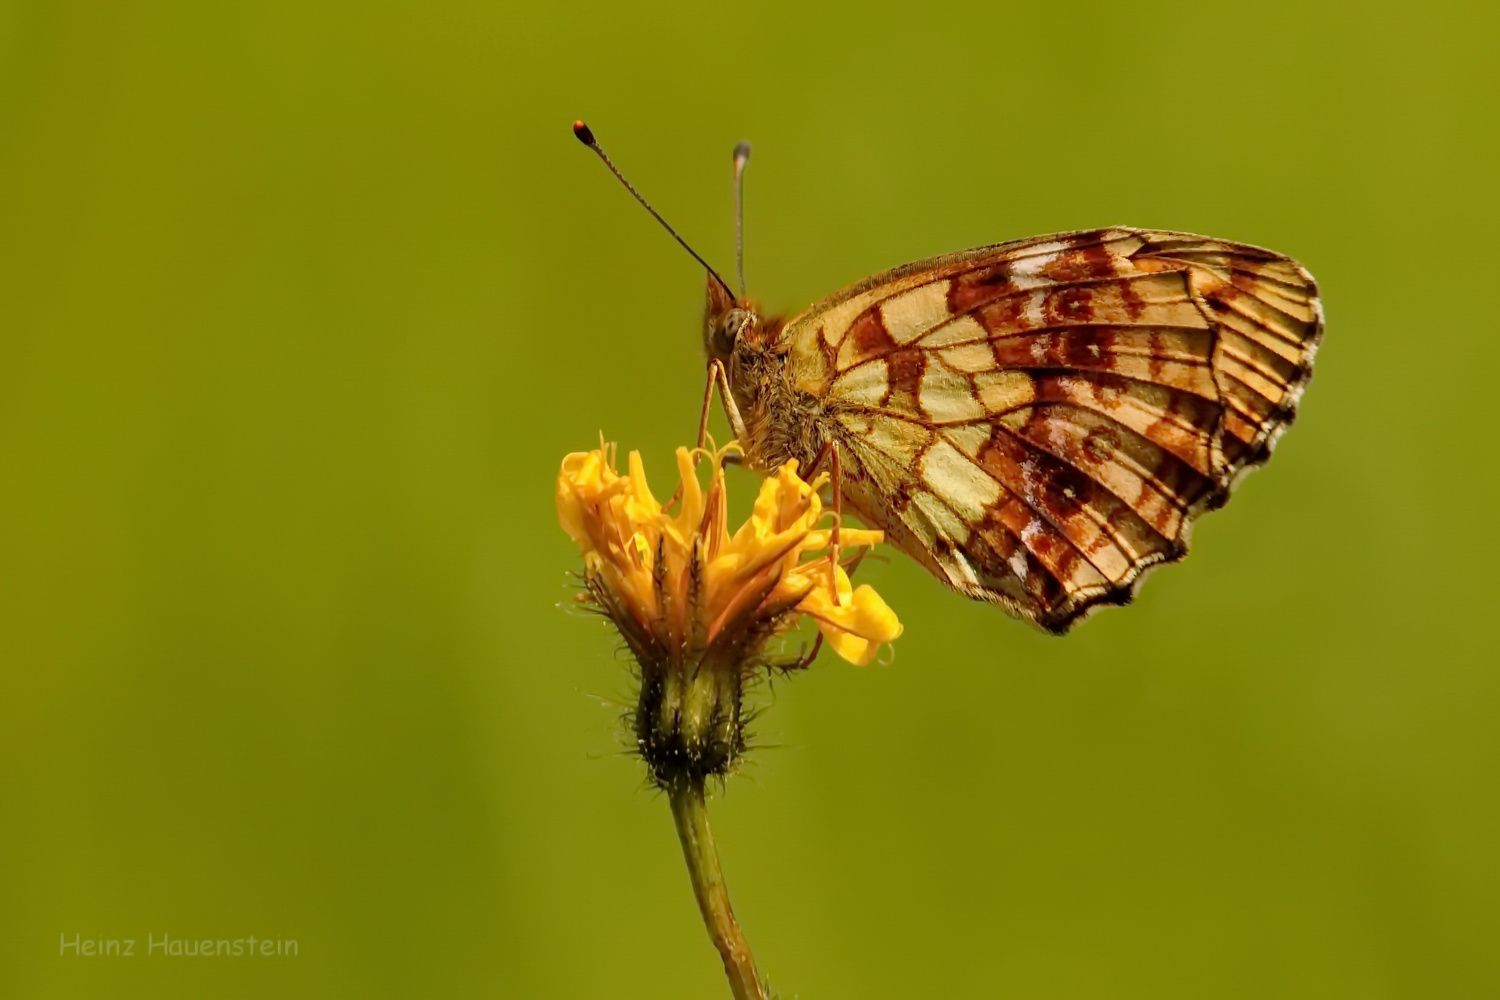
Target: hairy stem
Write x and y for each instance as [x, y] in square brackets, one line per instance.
[691, 813]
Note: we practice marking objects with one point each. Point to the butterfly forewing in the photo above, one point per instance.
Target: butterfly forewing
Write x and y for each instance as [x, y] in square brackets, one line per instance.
[1040, 422]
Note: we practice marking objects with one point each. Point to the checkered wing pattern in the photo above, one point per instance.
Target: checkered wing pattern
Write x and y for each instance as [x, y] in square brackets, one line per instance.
[1039, 423]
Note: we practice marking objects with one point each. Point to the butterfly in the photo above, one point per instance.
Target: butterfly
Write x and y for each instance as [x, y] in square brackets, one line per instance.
[1037, 423]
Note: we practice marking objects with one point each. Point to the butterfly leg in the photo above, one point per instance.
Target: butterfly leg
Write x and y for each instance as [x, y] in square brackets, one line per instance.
[806, 660]
[718, 379]
[829, 456]
[836, 477]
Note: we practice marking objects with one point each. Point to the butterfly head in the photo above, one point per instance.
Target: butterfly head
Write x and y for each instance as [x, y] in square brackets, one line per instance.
[728, 323]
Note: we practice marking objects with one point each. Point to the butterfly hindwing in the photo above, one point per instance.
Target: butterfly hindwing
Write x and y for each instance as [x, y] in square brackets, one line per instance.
[1040, 422]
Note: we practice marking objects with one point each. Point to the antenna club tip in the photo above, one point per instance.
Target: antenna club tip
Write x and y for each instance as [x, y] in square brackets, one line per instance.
[584, 133]
[742, 152]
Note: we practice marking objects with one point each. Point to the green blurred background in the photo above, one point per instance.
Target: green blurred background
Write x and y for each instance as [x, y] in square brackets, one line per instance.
[302, 303]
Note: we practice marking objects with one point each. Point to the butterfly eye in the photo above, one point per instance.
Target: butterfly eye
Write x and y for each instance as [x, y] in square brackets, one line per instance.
[726, 333]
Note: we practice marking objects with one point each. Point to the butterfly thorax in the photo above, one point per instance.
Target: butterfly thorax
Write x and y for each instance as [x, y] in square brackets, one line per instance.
[780, 421]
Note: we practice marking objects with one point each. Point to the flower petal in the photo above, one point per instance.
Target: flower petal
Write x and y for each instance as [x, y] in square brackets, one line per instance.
[858, 625]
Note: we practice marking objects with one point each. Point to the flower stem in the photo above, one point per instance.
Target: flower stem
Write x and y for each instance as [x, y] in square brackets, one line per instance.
[690, 811]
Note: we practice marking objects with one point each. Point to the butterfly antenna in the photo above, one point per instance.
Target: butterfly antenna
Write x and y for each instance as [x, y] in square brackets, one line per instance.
[586, 136]
[741, 157]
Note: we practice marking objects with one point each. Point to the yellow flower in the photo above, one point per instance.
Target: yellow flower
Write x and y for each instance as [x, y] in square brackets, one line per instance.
[684, 577]
[688, 595]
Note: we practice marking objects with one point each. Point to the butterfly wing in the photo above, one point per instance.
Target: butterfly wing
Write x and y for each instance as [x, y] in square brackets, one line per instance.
[1039, 423]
